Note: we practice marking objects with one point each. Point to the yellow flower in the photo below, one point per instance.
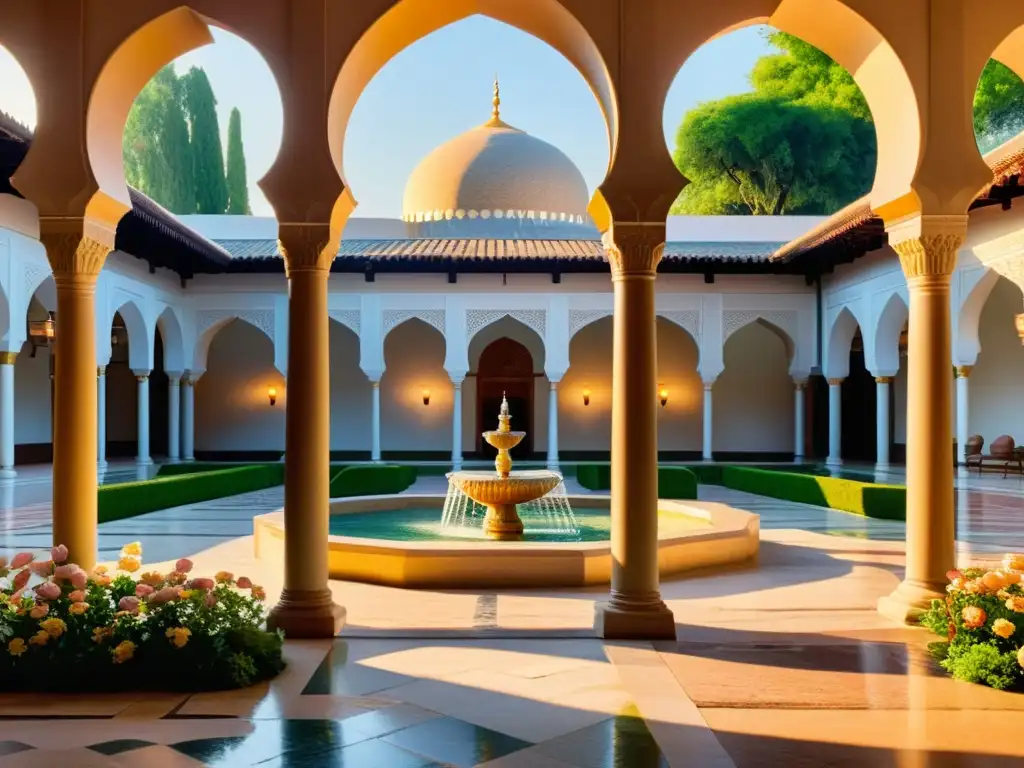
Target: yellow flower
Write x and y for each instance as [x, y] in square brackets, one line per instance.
[100, 569]
[99, 634]
[1016, 604]
[178, 636]
[78, 608]
[39, 638]
[16, 647]
[152, 578]
[53, 627]
[1013, 562]
[130, 564]
[258, 593]
[135, 548]
[123, 651]
[185, 594]
[1003, 628]
[224, 577]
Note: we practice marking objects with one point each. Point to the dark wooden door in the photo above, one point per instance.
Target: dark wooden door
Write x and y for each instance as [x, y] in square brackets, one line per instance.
[506, 368]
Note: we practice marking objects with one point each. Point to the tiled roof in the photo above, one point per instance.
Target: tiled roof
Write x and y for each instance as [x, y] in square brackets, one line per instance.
[494, 250]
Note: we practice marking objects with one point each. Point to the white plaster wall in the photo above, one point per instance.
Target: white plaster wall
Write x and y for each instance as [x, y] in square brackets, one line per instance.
[32, 396]
[997, 381]
[351, 393]
[754, 398]
[414, 356]
[233, 412]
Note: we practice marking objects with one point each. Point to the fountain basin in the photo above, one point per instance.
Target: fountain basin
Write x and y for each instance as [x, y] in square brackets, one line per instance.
[501, 494]
[692, 535]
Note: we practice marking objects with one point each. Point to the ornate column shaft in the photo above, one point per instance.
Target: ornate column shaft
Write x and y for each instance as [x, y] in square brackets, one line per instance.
[799, 412]
[882, 440]
[635, 609]
[101, 418]
[188, 415]
[76, 262]
[835, 422]
[928, 256]
[457, 425]
[963, 405]
[375, 420]
[709, 431]
[173, 417]
[553, 427]
[7, 360]
[306, 608]
[142, 426]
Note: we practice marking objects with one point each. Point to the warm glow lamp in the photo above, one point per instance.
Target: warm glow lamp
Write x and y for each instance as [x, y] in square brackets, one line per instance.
[272, 394]
[426, 397]
[586, 397]
[663, 396]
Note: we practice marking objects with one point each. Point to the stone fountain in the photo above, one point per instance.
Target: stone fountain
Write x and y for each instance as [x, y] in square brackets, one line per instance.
[501, 492]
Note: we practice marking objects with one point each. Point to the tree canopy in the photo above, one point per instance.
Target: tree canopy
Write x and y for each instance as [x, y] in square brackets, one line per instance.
[207, 155]
[238, 189]
[803, 140]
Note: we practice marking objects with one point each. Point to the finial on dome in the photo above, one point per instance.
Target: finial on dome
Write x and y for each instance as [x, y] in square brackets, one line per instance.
[496, 101]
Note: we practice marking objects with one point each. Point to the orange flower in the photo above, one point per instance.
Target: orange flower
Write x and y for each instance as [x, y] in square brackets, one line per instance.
[123, 651]
[78, 608]
[16, 647]
[54, 627]
[258, 593]
[99, 634]
[1015, 604]
[224, 577]
[129, 564]
[973, 616]
[39, 638]
[176, 578]
[152, 578]
[1003, 628]
[100, 569]
[1020, 656]
[39, 610]
[178, 636]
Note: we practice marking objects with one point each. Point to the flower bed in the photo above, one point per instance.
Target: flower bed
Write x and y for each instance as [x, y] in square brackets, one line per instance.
[63, 629]
[982, 619]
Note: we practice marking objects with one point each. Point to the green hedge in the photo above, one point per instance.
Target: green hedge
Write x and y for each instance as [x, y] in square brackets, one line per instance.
[673, 482]
[886, 502]
[197, 467]
[123, 500]
[372, 480]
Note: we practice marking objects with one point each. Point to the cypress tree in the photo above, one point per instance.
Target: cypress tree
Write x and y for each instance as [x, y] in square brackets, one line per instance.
[211, 191]
[180, 187]
[238, 190]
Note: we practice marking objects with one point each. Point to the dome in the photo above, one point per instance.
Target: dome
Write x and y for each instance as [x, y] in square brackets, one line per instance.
[496, 173]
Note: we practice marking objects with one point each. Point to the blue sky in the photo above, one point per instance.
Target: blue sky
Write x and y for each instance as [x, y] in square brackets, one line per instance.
[431, 92]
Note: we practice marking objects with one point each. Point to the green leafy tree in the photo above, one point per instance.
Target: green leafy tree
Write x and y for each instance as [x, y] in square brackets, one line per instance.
[238, 189]
[211, 191]
[998, 106]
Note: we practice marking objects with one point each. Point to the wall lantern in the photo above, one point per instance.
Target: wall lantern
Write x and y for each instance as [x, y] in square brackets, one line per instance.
[426, 397]
[272, 394]
[663, 396]
[586, 397]
[42, 333]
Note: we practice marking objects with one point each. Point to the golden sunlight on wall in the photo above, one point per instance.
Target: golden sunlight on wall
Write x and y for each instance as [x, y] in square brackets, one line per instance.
[414, 361]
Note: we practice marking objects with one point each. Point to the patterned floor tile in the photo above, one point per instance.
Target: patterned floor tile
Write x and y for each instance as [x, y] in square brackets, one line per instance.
[118, 746]
[619, 741]
[455, 742]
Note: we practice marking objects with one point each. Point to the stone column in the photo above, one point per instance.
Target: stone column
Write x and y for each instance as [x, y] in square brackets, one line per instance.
[375, 420]
[799, 413]
[635, 609]
[188, 415]
[142, 377]
[882, 421]
[553, 427]
[7, 360]
[173, 417]
[835, 423]
[101, 418]
[306, 608]
[963, 406]
[457, 425]
[708, 441]
[927, 247]
[76, 262]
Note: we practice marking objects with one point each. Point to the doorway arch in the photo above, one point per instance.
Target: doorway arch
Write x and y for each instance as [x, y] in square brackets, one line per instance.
[505, 370]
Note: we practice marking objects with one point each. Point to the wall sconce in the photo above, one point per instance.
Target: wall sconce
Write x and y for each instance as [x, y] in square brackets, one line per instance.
[272, 394]
[663, 396]
[586, 397]
[426, 397]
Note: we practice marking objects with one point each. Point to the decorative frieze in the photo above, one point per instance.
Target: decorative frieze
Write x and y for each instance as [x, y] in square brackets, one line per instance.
[347, 317]
[392, 318]
[784, 320]
[260, 318]
[478, 319]
[581, 318]
[687, 319]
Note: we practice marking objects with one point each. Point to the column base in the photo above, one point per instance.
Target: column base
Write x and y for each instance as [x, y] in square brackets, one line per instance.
[7, 473]
[102, 465]
[650, 622]
[307, 614]
[882, 466]
[836, 463]
[143, 462]
[173, 460]
[908, 601]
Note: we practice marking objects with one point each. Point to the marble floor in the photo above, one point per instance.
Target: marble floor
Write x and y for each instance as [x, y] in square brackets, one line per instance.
[784, 662]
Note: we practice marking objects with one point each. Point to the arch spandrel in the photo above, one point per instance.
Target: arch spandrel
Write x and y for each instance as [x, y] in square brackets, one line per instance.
[882, 356]
[843, 328]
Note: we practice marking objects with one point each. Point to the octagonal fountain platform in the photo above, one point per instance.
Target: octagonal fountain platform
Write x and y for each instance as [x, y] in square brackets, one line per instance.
[400, 541]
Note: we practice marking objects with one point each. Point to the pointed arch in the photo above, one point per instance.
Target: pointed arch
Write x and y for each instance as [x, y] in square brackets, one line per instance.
[211, 323]
[140, 340]
[169, 326]
[521, 326]
[967, 342]
[840, 340]
[882, 352]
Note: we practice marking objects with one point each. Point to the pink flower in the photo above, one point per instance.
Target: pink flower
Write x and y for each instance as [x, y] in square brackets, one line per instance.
[41, 567]
[77, 596]
[15, 597]
[21, 579]
[954, 574]
[39, 610]
[79, 579]
[48, 591]
[22, 559]
[183, 566]
[141, 590]
[129, 603]
[63, 572]
[59, 553]
[165, 595]
[244, 582]
[201, 584]
[211, 600]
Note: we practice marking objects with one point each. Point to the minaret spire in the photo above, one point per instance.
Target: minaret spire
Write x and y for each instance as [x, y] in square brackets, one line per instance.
[496, 101]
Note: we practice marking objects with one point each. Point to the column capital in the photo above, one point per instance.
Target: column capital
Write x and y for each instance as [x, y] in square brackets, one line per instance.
[8, 358]
[73, 257]
[457, 377]
[101, 370]
[307, 247]
[708, 385]
[928, 245]
[634, 249]
[174, 378]
[141, 374]
[800, 383]
[884, 379]
[835, 382]
[963, 371]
